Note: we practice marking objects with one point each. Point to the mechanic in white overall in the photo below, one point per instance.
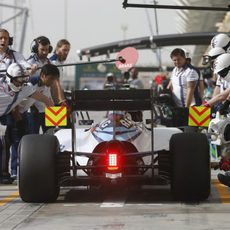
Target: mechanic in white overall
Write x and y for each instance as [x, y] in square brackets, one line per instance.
[220, 93]
[7, 57]
[60, 55]
[220, 44]
[183, 81]
[134, 81]
[199, 90]
[222, 68]
[14, 88]
[220, 58]
[40, 49]
[42, 83]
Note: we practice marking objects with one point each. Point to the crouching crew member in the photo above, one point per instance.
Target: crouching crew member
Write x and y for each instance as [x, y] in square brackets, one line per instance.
[44, 83]
[14, 88]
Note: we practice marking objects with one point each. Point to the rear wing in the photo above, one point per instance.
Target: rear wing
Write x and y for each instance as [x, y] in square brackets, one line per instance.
[102, 100]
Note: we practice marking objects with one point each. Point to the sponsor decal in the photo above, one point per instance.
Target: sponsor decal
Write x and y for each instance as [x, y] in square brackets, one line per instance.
[130, 57]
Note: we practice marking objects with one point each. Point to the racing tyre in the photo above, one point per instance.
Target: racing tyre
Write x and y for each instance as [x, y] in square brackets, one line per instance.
[191, 172]
[190, 129]
[38, 181]
[51, 131]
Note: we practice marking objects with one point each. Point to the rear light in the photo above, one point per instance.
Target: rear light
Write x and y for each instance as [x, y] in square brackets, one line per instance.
[114, 150]
[112, 161]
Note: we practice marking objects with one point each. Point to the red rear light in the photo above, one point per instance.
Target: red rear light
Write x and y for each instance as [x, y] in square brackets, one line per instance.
[113, 155]
[112, 161]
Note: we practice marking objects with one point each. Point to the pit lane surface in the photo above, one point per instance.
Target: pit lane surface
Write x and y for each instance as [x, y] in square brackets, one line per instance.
[148, 208]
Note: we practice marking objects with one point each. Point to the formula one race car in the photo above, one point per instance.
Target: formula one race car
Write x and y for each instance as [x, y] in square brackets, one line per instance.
[115, 151]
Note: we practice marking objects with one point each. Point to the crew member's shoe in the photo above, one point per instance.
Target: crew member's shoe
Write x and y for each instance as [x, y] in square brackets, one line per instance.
[6, 180]
[14, 177]
[224, 179]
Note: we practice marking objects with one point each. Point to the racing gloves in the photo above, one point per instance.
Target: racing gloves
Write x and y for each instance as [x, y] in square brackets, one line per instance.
[205, 104]
[224, 164]
[223, 108]
[67, 105]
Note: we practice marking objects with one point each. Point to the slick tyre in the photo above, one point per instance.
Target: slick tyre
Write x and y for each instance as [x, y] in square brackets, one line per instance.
[38, 180]
[190, 162]
[51, 131]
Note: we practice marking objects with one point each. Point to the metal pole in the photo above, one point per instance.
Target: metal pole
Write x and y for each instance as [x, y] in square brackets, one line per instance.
[149, 21]
[157, 32]
[80, 63]
[65, 17]
[91, 62]
[10, 6]
[11, 18]
[15, 22]
[207, 8]
[156, 21]
[25, 15]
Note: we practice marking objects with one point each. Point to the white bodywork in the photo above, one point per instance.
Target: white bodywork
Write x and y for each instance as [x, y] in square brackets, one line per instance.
[86, 142]
[126, 130]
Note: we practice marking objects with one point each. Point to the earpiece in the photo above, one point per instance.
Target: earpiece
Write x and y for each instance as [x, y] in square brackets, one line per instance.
[11, 41]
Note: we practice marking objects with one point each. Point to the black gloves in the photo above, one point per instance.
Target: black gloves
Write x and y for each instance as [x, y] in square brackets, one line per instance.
[223, 108]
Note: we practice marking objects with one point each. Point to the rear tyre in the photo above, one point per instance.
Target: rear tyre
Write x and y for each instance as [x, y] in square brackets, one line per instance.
[51, 131]
[190, 167]
[38, 181]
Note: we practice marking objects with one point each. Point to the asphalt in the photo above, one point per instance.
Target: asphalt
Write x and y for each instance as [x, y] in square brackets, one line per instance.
[147, 208]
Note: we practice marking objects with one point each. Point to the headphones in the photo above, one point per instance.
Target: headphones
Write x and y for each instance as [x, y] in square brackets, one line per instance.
[10, 41]
[40, 40]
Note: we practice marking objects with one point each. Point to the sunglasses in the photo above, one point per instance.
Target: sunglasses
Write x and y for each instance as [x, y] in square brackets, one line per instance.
[22, 79]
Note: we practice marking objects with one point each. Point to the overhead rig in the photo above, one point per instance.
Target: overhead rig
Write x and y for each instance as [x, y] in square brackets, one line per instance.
[155, 6]
[148, 42]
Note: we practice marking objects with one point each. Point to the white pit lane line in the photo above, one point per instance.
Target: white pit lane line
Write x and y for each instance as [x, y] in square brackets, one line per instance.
[114, 201]
[112, 204]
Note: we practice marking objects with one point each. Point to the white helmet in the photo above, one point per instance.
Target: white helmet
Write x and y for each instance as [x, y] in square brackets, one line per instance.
[16, 71]
[215, 52]
[221, 66]
[221, 40]
[110, 77]
[212, 55]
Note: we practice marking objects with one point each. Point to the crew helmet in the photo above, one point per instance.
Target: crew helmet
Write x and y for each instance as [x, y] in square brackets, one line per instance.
[221, 66]
[215, 52]
[110, 77]
[221, 40]
[16, 72]
[212, 55]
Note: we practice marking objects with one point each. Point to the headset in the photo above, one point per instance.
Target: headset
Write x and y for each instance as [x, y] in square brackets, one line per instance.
[10, 41]
[40, 40]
